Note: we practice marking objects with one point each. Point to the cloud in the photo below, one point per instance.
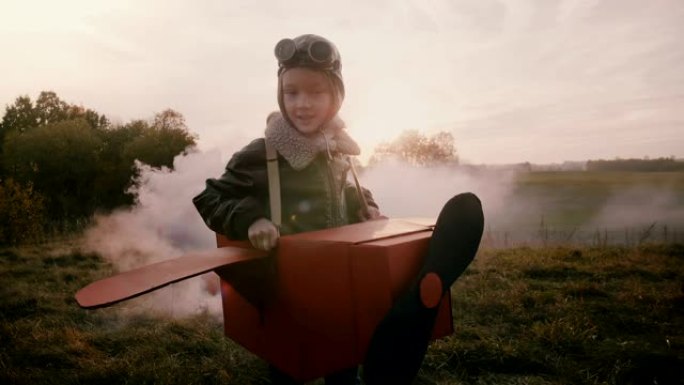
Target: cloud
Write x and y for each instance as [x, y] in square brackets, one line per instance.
[407, 65]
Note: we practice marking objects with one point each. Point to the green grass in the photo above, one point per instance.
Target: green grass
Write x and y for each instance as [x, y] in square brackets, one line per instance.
[567, 316]
[46, 338]
[562, 315]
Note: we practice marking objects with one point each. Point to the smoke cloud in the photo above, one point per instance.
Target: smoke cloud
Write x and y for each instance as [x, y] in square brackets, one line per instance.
[162, 225]
[641, 213]
[625, 209]
[403, 190]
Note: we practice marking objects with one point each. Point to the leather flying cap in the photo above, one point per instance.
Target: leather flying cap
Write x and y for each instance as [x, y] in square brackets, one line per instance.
[315, 52]
[308, 51]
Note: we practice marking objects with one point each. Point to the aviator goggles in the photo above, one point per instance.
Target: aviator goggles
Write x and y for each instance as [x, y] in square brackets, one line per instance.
[317, 53]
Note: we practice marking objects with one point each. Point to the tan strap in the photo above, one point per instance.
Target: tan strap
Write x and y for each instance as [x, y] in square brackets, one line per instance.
[359, 191]
[273, 183]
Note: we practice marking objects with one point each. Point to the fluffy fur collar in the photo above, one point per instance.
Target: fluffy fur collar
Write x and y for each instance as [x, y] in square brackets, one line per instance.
[300, 150]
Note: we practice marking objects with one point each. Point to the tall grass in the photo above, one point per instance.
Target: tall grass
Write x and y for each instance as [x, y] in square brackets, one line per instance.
[547, 315]
[561, 315]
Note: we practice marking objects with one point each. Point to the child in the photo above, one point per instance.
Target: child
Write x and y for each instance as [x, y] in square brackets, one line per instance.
[313, 160]
[313, 151]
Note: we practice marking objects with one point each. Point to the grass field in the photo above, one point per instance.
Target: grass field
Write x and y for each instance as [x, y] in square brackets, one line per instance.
[553, 315]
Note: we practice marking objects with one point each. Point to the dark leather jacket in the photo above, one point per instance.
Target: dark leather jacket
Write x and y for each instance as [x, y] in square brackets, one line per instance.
[313, 198]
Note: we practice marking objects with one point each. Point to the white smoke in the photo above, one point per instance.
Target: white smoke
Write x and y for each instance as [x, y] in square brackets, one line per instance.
[162, 225]
[641, 213]
[519, 212]
[640, 206]
[402, 190]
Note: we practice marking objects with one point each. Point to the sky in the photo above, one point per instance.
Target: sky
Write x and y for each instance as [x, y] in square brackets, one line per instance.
[513, 81]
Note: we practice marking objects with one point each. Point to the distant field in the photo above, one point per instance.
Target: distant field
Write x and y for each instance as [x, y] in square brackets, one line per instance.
[567, 207]
[551, 315]
[612, 178]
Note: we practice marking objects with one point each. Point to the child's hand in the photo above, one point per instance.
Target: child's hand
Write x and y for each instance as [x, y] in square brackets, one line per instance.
[263, 234]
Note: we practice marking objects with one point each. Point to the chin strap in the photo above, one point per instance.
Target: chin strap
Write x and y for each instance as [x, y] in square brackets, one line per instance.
[273, 183]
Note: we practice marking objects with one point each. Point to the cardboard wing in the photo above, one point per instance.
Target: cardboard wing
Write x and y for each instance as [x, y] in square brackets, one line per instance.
[133, 283]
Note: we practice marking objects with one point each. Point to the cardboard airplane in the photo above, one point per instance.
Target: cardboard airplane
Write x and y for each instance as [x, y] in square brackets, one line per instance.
[310, 307]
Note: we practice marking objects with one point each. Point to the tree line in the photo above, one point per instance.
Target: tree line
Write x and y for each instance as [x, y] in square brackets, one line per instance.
[641, 165]
[63, 162]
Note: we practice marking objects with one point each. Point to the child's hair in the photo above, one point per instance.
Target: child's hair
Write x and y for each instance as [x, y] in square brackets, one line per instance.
[314, 52]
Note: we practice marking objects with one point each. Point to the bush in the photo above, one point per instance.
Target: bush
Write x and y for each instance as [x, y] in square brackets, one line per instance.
[21, 213]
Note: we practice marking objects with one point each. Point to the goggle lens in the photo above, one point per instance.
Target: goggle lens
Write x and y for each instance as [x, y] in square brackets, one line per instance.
[319, 52]
[285, 50]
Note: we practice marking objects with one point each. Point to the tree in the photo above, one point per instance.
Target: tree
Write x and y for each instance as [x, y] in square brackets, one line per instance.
[19, 116]
[156, 143]
[159, 143]
[21, 212]
[23, 116]
[94, 119]
[641, 165]
[60, 159]
[115, 171]
[73, 157]
[50, 108]
[418, 149]
[169, 120]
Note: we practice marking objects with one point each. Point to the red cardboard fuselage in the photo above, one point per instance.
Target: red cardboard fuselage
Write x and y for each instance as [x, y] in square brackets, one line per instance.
[330, 290]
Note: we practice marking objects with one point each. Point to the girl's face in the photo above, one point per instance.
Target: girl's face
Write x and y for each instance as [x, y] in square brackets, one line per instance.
[307, 97]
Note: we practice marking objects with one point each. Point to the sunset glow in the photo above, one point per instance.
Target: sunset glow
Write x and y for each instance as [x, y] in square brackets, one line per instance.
[512, 81]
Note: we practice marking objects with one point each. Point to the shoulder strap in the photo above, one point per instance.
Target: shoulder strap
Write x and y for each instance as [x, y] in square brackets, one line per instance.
[273, 183]
[359, 191]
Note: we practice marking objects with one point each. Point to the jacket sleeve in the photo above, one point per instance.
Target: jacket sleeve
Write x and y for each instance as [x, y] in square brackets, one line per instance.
[354, 203]
[231, 203]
